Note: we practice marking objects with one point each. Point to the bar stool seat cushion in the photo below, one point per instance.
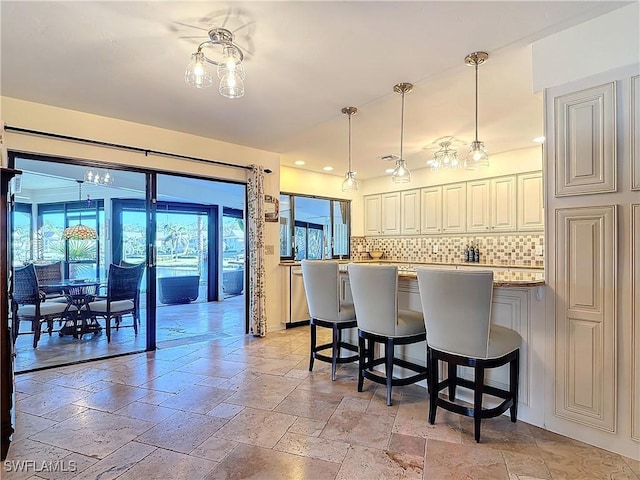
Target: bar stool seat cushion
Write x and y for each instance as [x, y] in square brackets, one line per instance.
[502, 341]
[409, 323]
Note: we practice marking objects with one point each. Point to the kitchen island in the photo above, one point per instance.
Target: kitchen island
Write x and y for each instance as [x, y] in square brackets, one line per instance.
[518, 303]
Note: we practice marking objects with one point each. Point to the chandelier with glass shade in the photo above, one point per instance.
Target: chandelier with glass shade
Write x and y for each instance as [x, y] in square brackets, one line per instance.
[228, 59]
[98, 177]
[445, 156]
[350, 184]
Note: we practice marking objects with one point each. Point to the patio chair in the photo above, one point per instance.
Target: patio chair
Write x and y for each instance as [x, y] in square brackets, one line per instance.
[27, 304]
[48, 273]
[123, 293]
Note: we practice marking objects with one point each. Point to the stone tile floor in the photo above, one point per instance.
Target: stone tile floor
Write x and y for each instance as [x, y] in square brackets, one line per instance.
[244, 407]
[175, 324]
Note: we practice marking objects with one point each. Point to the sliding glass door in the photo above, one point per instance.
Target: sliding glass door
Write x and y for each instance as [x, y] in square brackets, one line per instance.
[188, 232]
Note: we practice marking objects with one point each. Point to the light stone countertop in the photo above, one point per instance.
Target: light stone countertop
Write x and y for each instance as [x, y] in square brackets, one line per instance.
[524, 277]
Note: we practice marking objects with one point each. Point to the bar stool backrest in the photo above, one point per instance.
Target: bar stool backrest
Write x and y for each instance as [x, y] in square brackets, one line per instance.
[375, 297]
[321, 286]
[457, 310]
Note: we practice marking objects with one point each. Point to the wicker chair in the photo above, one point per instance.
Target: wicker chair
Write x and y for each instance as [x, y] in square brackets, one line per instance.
[123, 293]
[27, 304]
[49, 272]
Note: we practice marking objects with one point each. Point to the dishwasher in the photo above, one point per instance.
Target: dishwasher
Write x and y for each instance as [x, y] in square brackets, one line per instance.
[298, 307]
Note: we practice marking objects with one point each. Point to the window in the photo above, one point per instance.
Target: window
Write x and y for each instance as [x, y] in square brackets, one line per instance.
[22, 242]
[82, 258]
[314, 227]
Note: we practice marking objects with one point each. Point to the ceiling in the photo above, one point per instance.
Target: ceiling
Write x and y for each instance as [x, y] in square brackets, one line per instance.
[304, 62]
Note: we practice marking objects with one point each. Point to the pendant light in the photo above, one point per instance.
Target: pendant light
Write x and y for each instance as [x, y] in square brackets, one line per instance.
[478, 156]
[79, 231]
[350, 184]
[401, 173]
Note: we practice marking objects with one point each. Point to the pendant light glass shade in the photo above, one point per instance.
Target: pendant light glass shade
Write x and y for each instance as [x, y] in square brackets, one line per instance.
[198, 73]
[401, 173]
[80, 231]
[478, 157]
[350, 184]
[231, 74]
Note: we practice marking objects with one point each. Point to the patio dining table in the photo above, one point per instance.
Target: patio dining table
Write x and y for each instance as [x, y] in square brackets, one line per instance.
[78, 293]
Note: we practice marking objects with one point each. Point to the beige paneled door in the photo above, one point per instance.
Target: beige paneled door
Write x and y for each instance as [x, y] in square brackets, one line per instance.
[593, 329]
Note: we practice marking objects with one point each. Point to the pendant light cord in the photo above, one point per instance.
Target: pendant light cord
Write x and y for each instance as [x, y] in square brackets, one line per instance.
[476, 100]
[402, 127]
[350, 143]
[80, 201]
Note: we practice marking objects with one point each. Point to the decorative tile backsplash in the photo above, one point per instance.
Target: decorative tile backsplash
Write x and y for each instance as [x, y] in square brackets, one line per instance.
[514, 249]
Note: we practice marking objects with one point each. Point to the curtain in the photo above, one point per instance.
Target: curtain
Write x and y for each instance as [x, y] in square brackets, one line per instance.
[255, 230]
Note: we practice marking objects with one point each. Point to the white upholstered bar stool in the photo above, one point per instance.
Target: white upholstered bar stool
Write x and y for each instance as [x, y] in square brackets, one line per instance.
[322, 287]
[457, 314]
[375, 298]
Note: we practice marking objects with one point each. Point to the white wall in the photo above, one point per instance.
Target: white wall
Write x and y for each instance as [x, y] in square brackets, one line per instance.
[18, 113]
[599, 45]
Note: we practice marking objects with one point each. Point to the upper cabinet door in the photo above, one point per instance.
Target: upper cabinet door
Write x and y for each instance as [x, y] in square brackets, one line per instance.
[431, 210]
[585, 141]
[372, 215]
[454, 207]
[391, 213]
[503, 204]
[530, 204]
[410, 210]
[478, 212]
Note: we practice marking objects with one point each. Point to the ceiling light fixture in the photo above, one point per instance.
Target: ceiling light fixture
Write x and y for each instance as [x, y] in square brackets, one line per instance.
[445, 157]
[98, 177]
[478, 156]
[350, 184]
[79, 231]
[401, 173]
[327, 169]
[228, 58]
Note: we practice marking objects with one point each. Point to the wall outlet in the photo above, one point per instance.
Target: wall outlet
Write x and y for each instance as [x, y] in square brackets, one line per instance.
[434, 248]
[539, 250]
[269, 249]
[360, 248]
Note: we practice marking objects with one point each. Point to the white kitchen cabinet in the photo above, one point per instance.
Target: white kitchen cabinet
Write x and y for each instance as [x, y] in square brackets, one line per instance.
[478, 202]
[530, 204]
[431, 210]
[391, 213]
[382, 214]
[491, 205]
[454, 207]
[410, 212]
[503, 204]
[372, 215]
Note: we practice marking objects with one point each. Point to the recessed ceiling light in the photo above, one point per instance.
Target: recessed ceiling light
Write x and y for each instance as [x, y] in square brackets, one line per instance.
[299, 162]
[389, 170]
[539, 139]
[327, 169]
